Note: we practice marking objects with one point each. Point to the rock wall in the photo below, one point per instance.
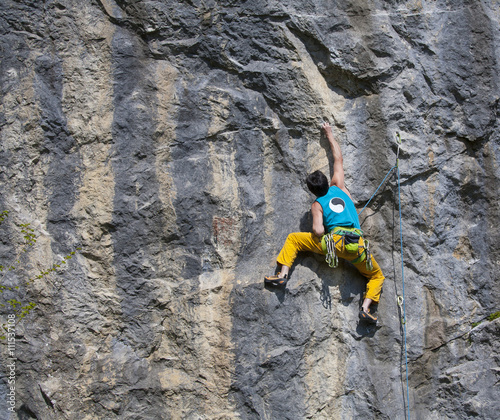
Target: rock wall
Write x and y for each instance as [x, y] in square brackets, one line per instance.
[170, 141]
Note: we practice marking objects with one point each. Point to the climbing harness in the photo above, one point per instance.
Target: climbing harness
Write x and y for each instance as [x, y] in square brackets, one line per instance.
[401, 298]
[352, 241]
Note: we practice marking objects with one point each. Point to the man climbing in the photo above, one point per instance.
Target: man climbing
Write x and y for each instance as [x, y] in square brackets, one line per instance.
[335, 232]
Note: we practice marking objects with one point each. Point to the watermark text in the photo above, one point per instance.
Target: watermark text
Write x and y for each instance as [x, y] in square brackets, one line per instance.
[11, 362]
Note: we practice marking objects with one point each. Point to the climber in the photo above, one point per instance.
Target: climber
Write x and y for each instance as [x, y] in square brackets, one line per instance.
[335, 232]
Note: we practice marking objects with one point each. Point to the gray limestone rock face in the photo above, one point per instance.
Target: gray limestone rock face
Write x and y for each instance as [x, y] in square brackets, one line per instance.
[170, 141]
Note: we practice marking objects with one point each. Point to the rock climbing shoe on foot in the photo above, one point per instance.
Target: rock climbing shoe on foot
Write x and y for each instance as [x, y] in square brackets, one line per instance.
[276, 280]
[367, 316]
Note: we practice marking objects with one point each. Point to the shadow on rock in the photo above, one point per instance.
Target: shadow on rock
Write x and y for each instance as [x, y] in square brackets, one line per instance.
[365, 329]
[279, 291]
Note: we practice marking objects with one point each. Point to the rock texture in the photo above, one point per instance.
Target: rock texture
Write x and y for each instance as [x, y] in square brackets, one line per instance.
[170, 140]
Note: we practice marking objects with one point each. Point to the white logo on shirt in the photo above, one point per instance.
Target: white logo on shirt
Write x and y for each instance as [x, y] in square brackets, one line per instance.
[337, 205]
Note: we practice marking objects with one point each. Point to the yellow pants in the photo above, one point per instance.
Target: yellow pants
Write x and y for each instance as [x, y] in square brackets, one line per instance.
[306, 241]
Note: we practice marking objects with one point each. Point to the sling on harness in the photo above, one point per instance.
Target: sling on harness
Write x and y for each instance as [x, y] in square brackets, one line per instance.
[350, 238]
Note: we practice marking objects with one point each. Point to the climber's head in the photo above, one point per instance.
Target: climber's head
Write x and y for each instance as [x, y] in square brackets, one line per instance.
[317, 183]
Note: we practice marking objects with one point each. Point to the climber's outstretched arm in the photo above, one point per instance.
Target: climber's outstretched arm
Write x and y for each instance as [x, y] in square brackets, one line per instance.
[338, 162]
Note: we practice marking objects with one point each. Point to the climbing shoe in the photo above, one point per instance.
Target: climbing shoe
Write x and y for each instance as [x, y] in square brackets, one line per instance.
[367, 316]
[276, 280]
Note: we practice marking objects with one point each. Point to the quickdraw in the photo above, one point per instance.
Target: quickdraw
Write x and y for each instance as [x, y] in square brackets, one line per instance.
[400, 301]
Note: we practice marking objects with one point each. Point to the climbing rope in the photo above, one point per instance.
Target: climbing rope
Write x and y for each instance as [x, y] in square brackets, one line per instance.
[382, 183]
[400, 299]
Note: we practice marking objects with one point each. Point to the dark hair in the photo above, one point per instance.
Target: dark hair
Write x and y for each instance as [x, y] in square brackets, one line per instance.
[317, 183]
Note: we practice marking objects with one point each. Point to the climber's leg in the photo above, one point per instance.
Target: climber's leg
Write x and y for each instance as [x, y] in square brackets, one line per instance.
[295, 242]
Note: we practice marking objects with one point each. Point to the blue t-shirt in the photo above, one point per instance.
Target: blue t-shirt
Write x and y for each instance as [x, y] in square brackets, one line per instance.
[338, 209]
